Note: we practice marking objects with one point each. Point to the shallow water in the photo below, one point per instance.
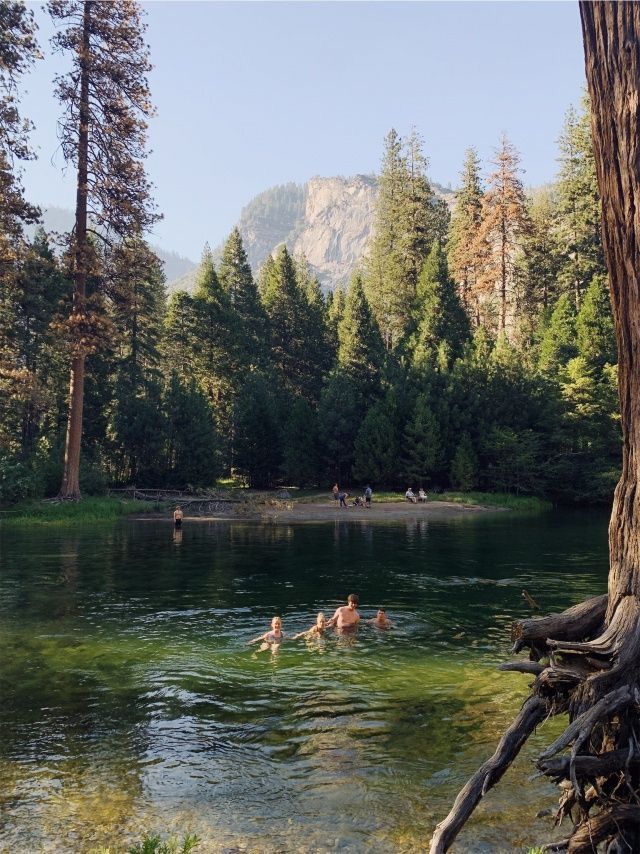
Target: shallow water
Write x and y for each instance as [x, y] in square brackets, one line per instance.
[131, 702]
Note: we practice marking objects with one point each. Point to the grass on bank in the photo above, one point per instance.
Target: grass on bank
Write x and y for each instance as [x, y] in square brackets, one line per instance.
[95, 509]
[494, 499]
[92, 509]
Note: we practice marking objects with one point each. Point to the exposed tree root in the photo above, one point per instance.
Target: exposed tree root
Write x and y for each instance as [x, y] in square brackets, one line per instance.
[531, 667]
[557, 768]
[582, 621]
[533, 711]
[620, 822]
[594, 675]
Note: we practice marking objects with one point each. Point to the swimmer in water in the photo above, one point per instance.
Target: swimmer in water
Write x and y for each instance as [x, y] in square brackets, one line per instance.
[272, 638]
[316, 631]
[381, 621]
[346, 617]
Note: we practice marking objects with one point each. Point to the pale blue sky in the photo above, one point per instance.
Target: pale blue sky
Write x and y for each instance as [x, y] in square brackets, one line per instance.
[255, 94]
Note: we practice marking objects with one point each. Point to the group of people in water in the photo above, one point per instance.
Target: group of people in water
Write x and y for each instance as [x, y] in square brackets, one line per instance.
[345, 619]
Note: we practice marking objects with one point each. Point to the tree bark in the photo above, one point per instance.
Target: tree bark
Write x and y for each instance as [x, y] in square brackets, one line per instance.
[70, 488]
[611, 34]
[598, 678]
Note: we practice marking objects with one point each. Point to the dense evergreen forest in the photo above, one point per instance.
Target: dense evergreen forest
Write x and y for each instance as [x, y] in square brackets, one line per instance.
[472, 349]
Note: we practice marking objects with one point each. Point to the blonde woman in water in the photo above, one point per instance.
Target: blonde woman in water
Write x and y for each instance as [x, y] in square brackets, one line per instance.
[272, 638]
[315, 631]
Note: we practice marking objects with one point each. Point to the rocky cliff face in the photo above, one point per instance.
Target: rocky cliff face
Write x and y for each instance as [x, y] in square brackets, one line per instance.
[338, 216]
[329, 220]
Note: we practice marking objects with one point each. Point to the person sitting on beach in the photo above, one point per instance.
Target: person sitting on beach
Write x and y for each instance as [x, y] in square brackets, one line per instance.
[271, 638]
[381, 621]
[422, 495]
[178, 515]
[410, 496]
[315, 631]
[346, 616]
[343, 499]
[358, 502]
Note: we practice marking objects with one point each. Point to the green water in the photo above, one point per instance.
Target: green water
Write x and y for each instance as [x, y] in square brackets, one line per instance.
[131, 702]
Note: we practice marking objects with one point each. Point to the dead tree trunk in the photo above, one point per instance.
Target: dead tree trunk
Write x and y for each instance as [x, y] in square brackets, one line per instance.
[593, 650]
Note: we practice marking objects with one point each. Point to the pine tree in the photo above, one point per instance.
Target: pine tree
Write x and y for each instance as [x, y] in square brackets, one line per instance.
[376, 447]
[578, 222]
[335, 311]
[360, 349]
[465, 225]
[504, 224]
[422, 444]
[38, 294]
[179, 334]
[439, 315]
[464, 466]
[407, 218]
[103, 133]
[298, 352]
[192, 445]
[537, 276]
[300, 452]
[594, 325]
[258, 454]
[340, 411]
[213, 349]
[559, 343]
[137, 423]
[249, 319]
[18, 51]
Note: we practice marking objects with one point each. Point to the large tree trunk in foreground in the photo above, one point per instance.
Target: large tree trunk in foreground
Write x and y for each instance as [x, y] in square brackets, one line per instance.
[70, 488]
[592, 651]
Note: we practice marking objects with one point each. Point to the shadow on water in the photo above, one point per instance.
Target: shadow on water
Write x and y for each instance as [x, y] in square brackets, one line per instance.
[132, 703]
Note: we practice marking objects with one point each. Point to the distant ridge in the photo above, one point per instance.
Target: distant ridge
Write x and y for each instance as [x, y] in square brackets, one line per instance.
[328, 219]
[62, 220]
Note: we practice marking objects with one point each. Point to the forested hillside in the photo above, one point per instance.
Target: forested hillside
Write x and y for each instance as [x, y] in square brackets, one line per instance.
[469, 350]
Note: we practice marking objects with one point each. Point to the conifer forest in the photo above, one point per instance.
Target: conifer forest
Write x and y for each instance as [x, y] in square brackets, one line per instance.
[473, 348]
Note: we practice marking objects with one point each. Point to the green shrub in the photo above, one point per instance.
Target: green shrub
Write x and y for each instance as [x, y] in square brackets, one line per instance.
[155, 845]
[17, 480]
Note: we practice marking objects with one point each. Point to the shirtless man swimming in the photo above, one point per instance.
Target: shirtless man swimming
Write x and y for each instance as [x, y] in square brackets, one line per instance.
[346, 617]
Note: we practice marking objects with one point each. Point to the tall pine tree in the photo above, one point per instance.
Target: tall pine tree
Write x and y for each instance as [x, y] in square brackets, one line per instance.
[106, 103]
[465, 225]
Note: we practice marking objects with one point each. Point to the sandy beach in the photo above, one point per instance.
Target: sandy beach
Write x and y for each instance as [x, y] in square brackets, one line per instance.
[299, 511]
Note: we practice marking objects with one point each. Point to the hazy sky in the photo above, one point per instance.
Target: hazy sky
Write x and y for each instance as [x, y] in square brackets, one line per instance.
[252, 94]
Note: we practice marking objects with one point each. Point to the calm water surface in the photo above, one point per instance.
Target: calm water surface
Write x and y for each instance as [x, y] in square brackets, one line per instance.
[131, 702]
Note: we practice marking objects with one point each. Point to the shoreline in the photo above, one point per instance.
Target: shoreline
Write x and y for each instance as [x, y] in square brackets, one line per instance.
[381, 511]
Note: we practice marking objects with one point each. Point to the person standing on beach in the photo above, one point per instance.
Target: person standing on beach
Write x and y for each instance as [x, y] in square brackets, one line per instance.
[367, 496]
[335, 491]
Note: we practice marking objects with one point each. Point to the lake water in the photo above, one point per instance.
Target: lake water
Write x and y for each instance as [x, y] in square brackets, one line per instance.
[131, 702]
